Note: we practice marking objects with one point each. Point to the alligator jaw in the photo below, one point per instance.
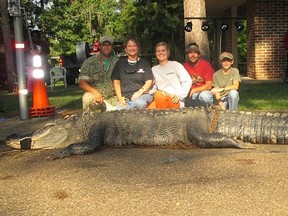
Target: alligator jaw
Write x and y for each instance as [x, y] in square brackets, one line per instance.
[17, 142]
[37, 142]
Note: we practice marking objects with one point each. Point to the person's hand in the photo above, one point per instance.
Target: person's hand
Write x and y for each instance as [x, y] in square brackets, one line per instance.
[192, 91]
[137, 94]
[98, 97]
[221, 105]
[175, 99]
[122, 102]
[213, 90]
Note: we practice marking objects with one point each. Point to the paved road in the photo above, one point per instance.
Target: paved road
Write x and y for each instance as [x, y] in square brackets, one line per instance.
[143, 181]
[146, 182]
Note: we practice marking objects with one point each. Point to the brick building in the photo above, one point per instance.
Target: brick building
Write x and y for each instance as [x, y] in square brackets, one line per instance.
[267, 23]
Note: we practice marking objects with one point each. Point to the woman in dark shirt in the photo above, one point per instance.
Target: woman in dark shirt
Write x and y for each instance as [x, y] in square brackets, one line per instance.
[132, 78]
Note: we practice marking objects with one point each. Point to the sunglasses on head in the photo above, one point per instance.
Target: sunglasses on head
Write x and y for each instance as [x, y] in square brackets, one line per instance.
[226, 59]
[134, 68]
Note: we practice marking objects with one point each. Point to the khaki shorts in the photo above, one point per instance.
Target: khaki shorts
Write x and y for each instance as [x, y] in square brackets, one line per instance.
[90, 105]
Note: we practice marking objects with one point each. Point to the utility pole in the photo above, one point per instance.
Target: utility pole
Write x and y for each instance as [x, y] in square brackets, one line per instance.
[15, 11]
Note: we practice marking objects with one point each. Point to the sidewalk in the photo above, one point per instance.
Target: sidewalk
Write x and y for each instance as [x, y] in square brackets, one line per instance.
[246, 79]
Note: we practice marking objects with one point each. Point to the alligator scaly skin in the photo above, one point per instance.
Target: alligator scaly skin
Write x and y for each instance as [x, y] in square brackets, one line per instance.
[167, 127]
[263, 128]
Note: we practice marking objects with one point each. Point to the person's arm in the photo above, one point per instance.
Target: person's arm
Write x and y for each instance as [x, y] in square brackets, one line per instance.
[219, 101]
[216, 91]
[144, 89]
[85, 86]
[236, 81]
[147, 86]
[208, 77]
[148, 78]
[206, 86]
[185, 80]
[234, 86]
[117, 87]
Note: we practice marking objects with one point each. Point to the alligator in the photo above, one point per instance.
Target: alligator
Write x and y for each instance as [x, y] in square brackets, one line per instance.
[87, 132]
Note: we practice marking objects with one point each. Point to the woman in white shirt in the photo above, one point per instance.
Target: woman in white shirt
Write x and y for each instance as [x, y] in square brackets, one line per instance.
[171, 80]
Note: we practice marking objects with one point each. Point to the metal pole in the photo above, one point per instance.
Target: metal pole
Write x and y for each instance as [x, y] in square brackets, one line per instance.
[21, 68]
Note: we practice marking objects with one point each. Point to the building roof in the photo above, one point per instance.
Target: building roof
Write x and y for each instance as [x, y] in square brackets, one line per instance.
[216, 8]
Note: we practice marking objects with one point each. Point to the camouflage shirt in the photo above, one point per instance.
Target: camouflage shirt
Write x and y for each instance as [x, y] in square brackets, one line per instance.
[97, 71]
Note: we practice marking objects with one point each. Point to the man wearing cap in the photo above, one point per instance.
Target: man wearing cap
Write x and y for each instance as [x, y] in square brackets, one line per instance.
[201, 73]
[95, 81]
[226, 83]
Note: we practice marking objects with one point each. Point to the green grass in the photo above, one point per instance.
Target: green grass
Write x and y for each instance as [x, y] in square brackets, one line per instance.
[69, 98]
[264, 96]
[253, 96]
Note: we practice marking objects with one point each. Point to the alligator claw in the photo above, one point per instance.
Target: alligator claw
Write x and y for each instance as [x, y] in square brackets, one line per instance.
[244, 145]
[59, 155]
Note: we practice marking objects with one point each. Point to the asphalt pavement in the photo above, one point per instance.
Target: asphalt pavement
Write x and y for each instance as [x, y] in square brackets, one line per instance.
[141, 181]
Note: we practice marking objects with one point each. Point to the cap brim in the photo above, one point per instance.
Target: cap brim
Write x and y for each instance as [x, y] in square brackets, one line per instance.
[225, 57]
[106, 41]
[192, 50]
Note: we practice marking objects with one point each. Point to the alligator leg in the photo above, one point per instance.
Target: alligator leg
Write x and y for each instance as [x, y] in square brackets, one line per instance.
[74, 149]
[217, 140]
[61, 154]
[203, 139]
[92, 144]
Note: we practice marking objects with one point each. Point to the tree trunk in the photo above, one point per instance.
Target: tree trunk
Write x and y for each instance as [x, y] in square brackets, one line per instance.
[9, 57]
[196, 8]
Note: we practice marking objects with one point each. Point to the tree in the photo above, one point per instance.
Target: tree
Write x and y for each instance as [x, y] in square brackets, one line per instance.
[9, 54]
[196, 8]
[68, 22]
[149, 21]
[152, 21]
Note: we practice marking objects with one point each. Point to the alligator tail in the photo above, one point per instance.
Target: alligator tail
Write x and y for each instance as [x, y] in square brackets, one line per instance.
[265, 128]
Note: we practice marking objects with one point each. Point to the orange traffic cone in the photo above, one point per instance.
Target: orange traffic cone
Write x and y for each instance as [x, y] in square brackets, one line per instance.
[41, 106]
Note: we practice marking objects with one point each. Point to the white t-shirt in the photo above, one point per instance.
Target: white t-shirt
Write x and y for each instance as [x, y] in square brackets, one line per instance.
[172, 78]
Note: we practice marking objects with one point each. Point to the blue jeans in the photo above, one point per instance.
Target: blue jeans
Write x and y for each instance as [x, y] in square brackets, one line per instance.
[200, 99]
[140, 103]
[231, 100]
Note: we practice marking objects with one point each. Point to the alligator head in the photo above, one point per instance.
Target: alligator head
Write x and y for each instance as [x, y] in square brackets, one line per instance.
[54, 135]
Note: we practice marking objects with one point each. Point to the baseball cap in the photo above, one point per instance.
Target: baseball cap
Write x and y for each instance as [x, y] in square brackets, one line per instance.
[226, 55]
[192, 47]
[106, 39]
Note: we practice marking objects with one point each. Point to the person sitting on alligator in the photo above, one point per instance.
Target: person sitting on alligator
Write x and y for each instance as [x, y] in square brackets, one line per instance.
[95, 78]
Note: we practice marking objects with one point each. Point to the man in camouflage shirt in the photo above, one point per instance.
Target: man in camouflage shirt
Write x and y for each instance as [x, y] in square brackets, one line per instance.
[95, 78]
